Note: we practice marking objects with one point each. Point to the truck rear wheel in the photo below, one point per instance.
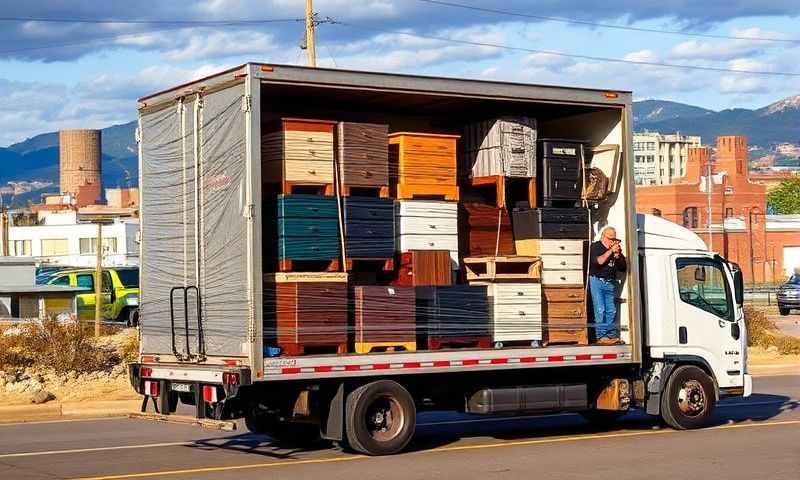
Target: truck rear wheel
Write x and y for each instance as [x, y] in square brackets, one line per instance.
[688, 400]
[783, 310]
[380, 418]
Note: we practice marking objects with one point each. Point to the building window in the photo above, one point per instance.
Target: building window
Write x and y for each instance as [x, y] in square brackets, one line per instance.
[690, 217]
[21, 248]
[728, 213]
[672, 171]
[54, 246]
[657, 212]
[651, 145]
[88, 246]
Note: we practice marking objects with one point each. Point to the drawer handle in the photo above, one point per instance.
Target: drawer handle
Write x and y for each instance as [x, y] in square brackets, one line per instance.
[430, 244]
[572, 295]
[316, 249]
[312, 172]
[520, 293]
[562, 277]
[311, 139]
[563, 262]
[365, 173]
[312, 229]
[371, 232]
[562, 247]
[312, 153]
[432, 226]
[521, 313]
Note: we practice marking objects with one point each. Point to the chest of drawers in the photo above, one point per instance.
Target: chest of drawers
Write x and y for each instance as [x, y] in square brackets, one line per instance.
[564, 314]
[363, 154]
[551, 223]
[306, 317]
[428, 225]
[560, 163]
[486, 230]
[369, 227]
[424, 268]
[298, 151]
[517, 312]
[425, 164]
[385, 318]
[458, 315]
[505, 147]
[306, 227]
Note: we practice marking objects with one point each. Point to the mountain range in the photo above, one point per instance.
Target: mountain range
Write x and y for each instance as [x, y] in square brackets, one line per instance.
[37, 158]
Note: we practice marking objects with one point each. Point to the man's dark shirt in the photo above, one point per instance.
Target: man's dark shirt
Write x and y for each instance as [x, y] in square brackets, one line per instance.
[609, 269]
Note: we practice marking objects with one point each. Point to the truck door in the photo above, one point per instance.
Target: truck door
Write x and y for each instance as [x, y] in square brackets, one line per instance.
[706, 317]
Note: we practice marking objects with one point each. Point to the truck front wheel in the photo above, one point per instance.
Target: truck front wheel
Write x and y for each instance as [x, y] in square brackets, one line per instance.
[688, 400]
[380, 418]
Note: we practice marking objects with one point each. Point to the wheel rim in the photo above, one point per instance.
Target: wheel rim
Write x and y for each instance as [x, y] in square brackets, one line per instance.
[385, 418]
[691, 398]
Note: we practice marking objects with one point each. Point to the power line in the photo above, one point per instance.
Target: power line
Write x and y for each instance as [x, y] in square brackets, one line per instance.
[147, 22]
[607, 25]
[573, 55]
[121, 36]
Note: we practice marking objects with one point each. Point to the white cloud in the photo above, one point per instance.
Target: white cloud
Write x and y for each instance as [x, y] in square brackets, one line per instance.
[545, 60]
[642, 56]
[741, 84]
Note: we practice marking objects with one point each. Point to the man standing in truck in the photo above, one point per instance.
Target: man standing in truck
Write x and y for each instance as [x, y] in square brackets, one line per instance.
[606, 260]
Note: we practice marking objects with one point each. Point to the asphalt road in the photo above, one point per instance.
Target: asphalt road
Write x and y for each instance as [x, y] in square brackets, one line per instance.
[754, 438]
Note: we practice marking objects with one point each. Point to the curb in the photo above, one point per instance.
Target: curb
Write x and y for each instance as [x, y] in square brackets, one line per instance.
[56, 410]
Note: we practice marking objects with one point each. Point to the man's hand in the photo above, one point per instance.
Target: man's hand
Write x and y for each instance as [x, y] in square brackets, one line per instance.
[616, 249]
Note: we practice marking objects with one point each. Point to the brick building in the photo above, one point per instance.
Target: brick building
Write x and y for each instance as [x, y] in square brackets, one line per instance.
[767, 247]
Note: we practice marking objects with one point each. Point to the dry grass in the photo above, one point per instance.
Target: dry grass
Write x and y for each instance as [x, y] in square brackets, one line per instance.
[762, 332]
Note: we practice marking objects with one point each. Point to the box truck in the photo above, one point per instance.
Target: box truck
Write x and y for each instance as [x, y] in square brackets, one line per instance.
[208, 296]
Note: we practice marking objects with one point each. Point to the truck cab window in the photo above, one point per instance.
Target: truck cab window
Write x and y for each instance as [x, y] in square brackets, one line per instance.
[702, 284]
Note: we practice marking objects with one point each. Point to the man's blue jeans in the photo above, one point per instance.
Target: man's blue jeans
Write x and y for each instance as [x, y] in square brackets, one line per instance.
[604, 292]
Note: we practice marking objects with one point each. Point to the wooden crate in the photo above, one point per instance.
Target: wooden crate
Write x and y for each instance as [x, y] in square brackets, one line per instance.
[502, 268]
[385, 318]
[298, 152]
[425, 164]
[306, 317]
[424, 268]
[363, 154]
[486, 230]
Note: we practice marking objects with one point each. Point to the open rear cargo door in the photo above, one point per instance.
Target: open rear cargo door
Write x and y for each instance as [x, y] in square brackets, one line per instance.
[196, 301]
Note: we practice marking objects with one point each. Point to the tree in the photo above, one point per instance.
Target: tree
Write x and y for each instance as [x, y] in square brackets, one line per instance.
[786, 198]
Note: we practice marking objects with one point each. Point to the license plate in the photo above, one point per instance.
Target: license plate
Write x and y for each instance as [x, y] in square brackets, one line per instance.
[181, 387]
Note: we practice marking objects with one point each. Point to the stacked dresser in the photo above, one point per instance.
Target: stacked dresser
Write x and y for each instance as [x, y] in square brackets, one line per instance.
[369, 227]
[306, 230]
[425, 164]
[363, 155]
[454, 316]
[298, 152]
[561, 167]
[428, 225]
[385, 318]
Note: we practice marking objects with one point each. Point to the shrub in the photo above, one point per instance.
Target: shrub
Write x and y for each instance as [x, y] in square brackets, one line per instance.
[64, 347]
[760, 330]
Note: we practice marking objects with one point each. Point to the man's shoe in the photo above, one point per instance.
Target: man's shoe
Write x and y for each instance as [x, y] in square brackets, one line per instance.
[603, 341]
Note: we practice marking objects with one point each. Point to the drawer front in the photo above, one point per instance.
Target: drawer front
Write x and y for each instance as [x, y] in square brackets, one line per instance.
[515, 292]
[561, 168]
[573, 310]
[368, 174]
[566, 322]
[428, 226]
[369, 209]
[562, 262]
[370, 247]
[575, 293]
[365, 228]
[308, 227]
[578, 336]
[561, 149]
[560, 247]
[300, 140]
[566, 189]
[429, 242]
[561, 230]
[563, 215]
[523, 312]
[307, 206]
[562, 277]
[429, 145]
[428, 170]
[480, 215]
[311, 171]
[427, 209]
[305, 248]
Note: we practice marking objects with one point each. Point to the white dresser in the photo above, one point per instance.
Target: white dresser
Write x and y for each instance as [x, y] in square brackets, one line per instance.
[428, 225]
[563, 262]
[517, 312]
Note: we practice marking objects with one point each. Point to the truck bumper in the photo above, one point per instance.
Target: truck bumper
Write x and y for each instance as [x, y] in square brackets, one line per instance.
[748, 385]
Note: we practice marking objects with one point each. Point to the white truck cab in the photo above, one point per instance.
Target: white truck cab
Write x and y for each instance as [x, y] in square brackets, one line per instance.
[692, 309]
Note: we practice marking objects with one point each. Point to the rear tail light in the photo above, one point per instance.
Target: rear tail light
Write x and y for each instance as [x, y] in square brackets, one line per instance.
[146, 372]
[151, 388]
[230, 378]
[210, 394]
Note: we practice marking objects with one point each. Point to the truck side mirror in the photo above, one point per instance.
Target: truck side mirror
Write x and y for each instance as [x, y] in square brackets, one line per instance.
[700, 274]
[738, 287]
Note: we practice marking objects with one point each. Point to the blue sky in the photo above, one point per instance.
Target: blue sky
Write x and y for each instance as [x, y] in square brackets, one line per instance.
[78, 74]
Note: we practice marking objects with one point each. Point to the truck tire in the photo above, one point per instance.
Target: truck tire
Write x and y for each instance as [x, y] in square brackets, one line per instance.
[688, 400]
[285, 434]
[783, 310]
[133, 317]
[380, 418]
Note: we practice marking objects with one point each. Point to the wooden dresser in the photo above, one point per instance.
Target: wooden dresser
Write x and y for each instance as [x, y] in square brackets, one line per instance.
[424, 268]
[306, 312]
[425, 164]
[298, 151]
[551, 223]
[306, 228]
[454, 316]
[560, 170]
[564, 314]
[480, 232]
[363, 154]
[385, 318]
[517, 312]
[504, 147]
[428, 225]
[369, 227]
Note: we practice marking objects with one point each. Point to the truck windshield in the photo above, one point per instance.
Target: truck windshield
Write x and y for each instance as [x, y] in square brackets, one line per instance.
[129, 278]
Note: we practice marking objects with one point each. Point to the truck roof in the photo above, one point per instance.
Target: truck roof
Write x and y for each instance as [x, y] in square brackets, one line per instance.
[390, 81]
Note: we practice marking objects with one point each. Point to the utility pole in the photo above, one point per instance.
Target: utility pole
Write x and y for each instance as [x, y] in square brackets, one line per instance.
[98, 282]
[709, 186]
[310, 47]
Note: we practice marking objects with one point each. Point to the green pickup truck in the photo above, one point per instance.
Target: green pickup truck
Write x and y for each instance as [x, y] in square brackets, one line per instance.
[120, 292]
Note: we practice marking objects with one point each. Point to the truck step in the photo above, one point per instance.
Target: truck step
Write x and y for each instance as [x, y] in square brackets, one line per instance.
[223, 425]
